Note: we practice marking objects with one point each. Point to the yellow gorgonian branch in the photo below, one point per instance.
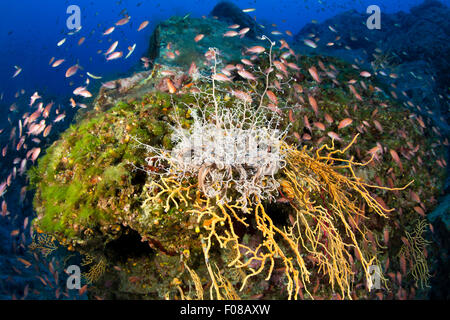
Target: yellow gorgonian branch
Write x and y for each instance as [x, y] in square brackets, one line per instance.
[44, 243]
[96, 271]
[414, 251]
[327, 198]
[325, 229]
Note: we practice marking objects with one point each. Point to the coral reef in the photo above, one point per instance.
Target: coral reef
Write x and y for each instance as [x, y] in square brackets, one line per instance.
[341, 173]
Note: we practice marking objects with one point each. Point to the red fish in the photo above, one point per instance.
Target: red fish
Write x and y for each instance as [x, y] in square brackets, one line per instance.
[109, 31]
[143, 25]
[71, 71]
[246, 75]
[115, 55]
[314, 74]
[199, 37]
[313, 104]
[57, 63]
[123, 21]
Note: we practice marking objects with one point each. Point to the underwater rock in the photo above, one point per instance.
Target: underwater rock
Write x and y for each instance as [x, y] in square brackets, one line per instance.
[442, 212]
[417, 39]
[173, 42]
[231, 14]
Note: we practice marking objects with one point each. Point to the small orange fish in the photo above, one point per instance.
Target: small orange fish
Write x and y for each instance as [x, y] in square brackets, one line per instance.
[112, 48]
[378, 125]
[170, 55]
[396, 158]
[35, 154]
[221, 77]
[243, 31]
[403, 264]
[306, 137]
[306, 122]
[73, 103]
[82, 290]
[143, 25]
[328, 118]
[344, 123]
[25, 262]
[57, 63]
[319, 125]
[313, 72]
[310, 43]
[171, 87]
[420, 211]
[298, 88]
[313, 104]
[386, 236]
[334, 135]
[247, 62]
[414, 196]
[256, 49]
[355, 93]
[272, 97]
[115, 55]
[246, 75]
[291, 116]
[71, 71]
[123, 21]
[109, 31]
[230, 34]
[242, 95]
[421, 123]
[47, 130]
[199, 37]
[192, 69]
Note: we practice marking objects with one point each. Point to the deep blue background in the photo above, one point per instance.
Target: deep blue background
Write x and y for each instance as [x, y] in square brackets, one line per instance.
[30, 30]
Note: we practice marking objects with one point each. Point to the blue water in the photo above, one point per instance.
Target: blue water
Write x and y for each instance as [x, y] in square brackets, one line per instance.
[30, 30]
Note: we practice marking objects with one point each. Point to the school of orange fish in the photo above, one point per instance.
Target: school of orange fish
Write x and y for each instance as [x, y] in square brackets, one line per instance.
[35, 124]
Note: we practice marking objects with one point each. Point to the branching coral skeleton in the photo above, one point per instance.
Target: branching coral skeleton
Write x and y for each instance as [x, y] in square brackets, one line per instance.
[414, 249]
[228, 149]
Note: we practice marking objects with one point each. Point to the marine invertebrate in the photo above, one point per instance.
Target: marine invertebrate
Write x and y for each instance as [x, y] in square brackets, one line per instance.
[414, 250]
[289, 234]
[232, 189]
[44, 243]
[225, 148]
[327, 229]
[95, 271]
